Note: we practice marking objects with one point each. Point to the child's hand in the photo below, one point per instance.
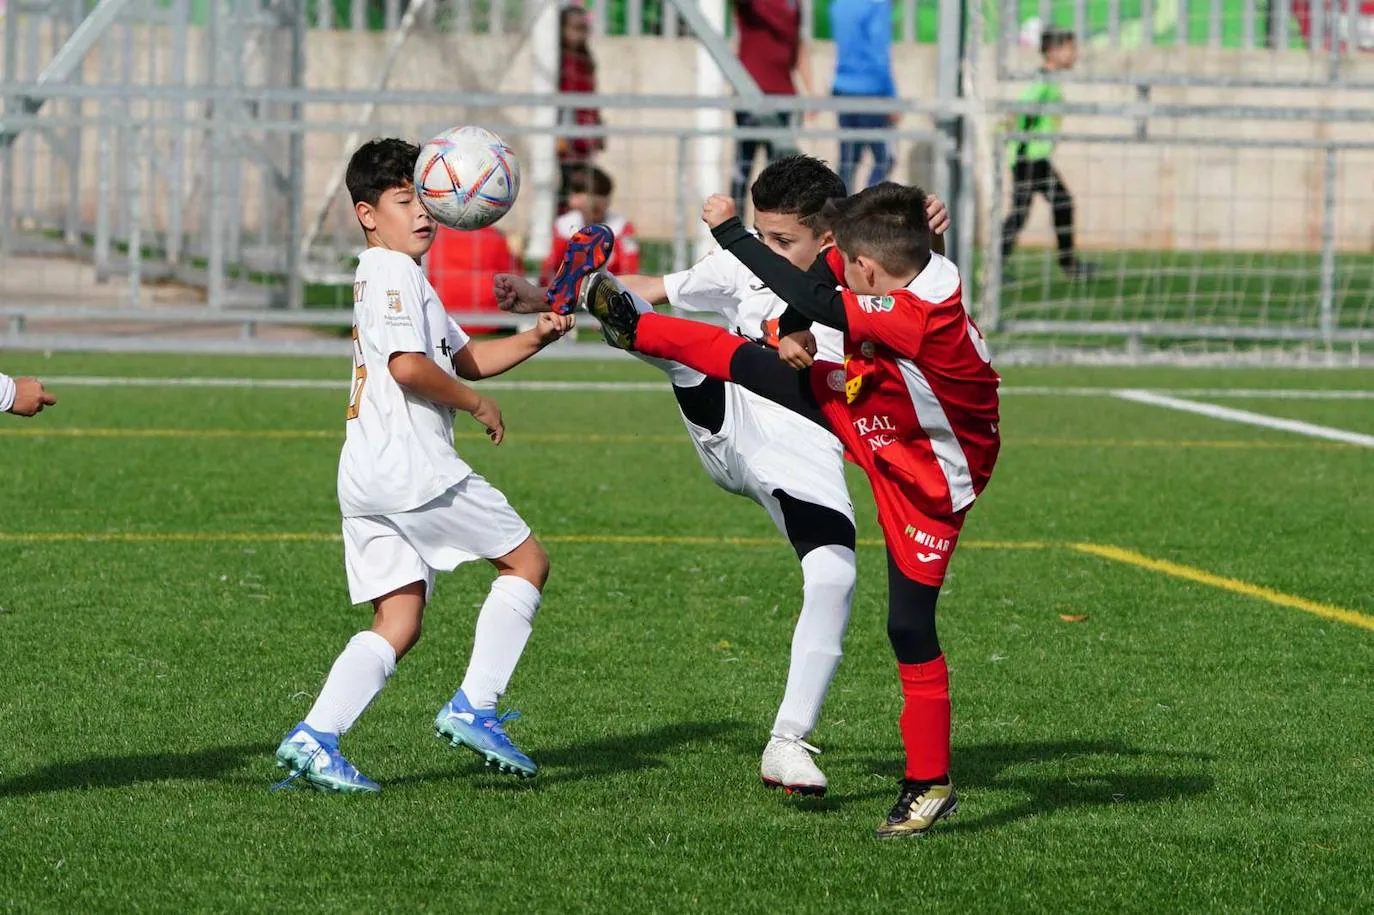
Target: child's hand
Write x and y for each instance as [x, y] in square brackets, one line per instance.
[489, 415]
[938, 214]
[518, 295]
[30, 398]
[553, 327]
[798, 349]
[718, 209]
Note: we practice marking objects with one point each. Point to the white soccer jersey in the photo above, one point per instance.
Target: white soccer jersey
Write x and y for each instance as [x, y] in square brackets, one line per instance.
[398, 452]
[720, 283]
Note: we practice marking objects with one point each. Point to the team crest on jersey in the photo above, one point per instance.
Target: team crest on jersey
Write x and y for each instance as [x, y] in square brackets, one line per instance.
[876, 304]
[836, 380]
[393, 299]
[866, 349]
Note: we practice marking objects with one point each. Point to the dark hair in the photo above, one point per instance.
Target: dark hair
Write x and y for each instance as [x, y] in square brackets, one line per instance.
[886, 222]
[566, 13]
[588, 179]
[799, 185]
[378, 166]
[1052, 38]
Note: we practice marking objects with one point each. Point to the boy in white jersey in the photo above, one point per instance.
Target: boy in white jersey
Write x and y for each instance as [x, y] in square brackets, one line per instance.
[752, 447]
[411, 506]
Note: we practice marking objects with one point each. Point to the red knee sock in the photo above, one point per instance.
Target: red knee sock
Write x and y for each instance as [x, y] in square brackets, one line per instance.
[925, 719]
[695, 344]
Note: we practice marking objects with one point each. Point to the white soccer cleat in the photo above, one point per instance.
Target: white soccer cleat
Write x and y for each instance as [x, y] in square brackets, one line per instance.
[787, 764]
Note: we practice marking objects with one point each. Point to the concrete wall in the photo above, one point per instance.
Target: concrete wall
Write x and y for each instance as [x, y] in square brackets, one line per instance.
[1132, 195]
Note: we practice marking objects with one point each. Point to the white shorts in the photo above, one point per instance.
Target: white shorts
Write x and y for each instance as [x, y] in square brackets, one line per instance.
[472, 520]
[762, 448]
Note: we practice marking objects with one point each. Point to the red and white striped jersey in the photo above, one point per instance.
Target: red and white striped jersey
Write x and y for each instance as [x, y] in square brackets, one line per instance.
[916, 400]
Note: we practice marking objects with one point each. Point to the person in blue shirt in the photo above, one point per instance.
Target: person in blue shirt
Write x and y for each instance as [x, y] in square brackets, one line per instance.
[863, 67]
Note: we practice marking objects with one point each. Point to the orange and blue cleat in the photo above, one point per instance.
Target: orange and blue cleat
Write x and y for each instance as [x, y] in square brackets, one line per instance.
[588, 251]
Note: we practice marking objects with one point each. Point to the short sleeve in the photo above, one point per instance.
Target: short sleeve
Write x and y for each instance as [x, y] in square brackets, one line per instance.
[897, 321]
[398, 312]
[711, 284]
[457, 337]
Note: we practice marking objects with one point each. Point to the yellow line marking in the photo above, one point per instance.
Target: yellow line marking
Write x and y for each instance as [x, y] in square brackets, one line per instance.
[322, 537]
[583, 438]
[1235, 585]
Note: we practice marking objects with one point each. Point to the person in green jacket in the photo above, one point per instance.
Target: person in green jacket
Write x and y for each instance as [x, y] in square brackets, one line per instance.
[1031, 170]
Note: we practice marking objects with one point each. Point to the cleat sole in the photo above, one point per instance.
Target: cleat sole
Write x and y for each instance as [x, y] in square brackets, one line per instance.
[589, 251]
[490, 760]
[917, 833]
[798, 790]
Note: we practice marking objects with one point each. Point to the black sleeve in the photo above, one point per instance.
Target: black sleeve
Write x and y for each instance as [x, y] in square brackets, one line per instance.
[811, 293]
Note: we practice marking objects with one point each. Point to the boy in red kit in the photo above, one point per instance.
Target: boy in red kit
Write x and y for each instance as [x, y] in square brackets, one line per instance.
[914, 403]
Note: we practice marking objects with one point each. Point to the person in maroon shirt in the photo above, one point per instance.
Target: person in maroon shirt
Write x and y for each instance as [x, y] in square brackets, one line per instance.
[576, 73]
[772, 51]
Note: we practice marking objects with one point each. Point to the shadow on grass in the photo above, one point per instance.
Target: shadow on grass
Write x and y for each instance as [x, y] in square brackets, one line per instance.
[604, 757]
[125, 771]
[1056, 775]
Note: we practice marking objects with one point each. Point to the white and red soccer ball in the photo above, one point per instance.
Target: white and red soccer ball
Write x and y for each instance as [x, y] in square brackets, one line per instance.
[467, 178]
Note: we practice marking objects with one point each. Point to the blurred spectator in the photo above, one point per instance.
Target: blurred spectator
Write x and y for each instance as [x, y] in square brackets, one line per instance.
[463, 268]
[772, 50]
[576, 73]
[863, 68]
[589, 201]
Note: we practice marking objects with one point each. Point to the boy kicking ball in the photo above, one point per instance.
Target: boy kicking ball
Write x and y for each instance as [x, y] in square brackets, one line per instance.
[914, 401]
[748, 445]
[411, 506]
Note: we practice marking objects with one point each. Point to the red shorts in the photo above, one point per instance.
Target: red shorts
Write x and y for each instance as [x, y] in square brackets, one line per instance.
[920, 544]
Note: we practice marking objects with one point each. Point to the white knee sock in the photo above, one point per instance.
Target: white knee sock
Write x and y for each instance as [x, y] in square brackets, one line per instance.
[358, 675]
[680, 375]
[503, 627]
[828, 574]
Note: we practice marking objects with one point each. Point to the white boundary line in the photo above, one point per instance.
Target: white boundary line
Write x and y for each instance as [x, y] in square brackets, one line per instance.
[108, 381]
[1229, 414]
[102, 381]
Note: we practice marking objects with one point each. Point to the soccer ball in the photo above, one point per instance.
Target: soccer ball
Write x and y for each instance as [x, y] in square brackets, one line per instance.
[467, 178]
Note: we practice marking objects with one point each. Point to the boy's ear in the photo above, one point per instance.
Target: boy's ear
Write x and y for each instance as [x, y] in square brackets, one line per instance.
[367, 217]
[869, 268]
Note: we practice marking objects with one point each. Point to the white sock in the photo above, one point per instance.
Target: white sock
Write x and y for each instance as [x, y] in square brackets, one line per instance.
[358, 675]
[680, 375]
[828, 575]
[503, 627]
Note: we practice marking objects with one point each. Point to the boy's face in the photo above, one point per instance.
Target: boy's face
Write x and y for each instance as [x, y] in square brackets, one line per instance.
[785, 234]
[398, 222]
[1064, 56]
[593, 207]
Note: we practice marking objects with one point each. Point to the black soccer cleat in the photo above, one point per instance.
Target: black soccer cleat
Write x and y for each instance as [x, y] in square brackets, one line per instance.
[602, 297]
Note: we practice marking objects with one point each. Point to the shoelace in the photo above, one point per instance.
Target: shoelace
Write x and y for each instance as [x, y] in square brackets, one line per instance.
[910, 793]
[345, 768]
[287, 782]
[495, 723]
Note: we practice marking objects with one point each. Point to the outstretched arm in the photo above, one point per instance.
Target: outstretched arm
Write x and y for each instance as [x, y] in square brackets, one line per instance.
[518, 295]
[812, 293]
[486, 358]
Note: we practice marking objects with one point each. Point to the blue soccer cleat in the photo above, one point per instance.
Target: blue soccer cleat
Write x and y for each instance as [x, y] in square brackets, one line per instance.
[588, 251]
[481, 731]
[315, 757]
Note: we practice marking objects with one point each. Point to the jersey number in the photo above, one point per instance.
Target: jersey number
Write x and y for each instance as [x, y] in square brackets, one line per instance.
[355, 397]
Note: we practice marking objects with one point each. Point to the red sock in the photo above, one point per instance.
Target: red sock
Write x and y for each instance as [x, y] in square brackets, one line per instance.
[925, 719]
[695, 344]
